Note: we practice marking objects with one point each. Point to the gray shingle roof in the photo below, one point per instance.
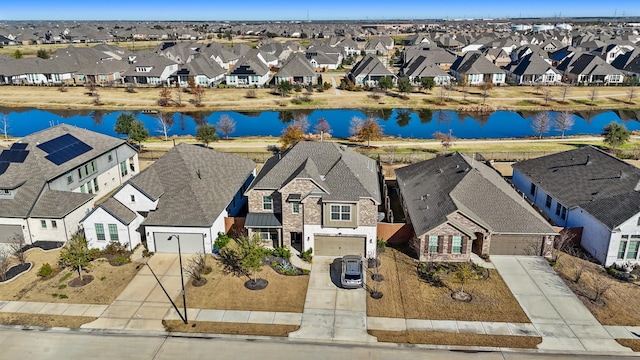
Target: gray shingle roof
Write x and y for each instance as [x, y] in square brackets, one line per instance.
[119, 211]
[197, 184]
[532, 64]
[589, 178]
[369, 66]
[57, 204]
[475, 63]
[296, 65]
[343, 173]
[436, 188]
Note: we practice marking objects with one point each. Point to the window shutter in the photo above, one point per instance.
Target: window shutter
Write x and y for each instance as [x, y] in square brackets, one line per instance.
[465, 239]
[441, 244]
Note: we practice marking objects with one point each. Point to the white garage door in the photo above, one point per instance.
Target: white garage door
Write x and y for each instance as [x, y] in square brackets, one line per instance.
[339, 245]
[189, 243]
[8, 231]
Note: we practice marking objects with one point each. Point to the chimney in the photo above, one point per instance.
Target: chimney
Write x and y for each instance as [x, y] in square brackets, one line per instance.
[198, 173]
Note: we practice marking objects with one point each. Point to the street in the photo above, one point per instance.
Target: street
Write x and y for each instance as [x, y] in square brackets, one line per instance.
[34, 345]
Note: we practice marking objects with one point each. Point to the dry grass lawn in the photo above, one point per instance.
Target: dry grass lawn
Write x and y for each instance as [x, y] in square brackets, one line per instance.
[619, 305]
[72, 322]
[406, 296]
[227, 292]
[633, 344]
[445, 338]
[108, 282]
[229, 328]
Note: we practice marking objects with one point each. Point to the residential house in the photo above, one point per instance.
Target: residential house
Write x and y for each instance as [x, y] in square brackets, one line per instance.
[317, 195]
[349, 47]
[457, 205]
[477, 70]
[368, 71]
[100, 65]
[250, 70]
[297, 70]
[421, 67]
[204, 72]
[324, 57]
[590, 69]
[188, 192]
[590, 189]
[443, 58]
[533, 70]
[629, 64]
[376, 47]
[50, 179]
[221, 54]
[151, 69]
[36, 71]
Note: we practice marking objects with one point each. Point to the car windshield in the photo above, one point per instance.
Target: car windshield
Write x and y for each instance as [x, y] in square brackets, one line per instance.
[352, 268]
[352, 277]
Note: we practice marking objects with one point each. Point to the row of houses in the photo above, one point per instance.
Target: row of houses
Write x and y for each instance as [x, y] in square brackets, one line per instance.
[315, 195]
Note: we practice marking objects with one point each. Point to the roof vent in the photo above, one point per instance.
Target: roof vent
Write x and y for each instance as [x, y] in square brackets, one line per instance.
[198, 173]
[588, 160]
[440, 171]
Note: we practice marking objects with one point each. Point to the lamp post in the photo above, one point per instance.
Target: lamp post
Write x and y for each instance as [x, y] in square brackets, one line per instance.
[184, 298]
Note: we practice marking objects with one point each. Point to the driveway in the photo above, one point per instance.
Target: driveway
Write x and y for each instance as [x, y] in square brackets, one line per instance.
[143, 304]
[330, 312]
[556, 312]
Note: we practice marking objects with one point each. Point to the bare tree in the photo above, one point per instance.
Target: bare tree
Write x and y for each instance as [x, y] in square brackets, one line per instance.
[564, 240]
[4, 125]
[196, 268]
[164, 120]
[226, 125]
[631, 93]
[355, 126]
[601, 284]
[5, 256]
[391, 151]
[565, 91]
[578, 269]
[546, 95]
[303, 122]
[593, 95]
[445, 139]
[322, 127]
[486, 87]
[541, 123]
[17, 247]
[198, 94]
[443, 94]
[563, 122]
[178, 98]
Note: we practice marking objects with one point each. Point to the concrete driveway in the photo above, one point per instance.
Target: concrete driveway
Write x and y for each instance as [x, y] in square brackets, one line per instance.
[556, 312]
[143, 304]
[330, 312]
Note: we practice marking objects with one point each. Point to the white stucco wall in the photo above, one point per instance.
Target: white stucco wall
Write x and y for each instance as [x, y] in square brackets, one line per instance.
[127, 235]
[595, 236]
[141, 204]
[67, 226]
[370, 232]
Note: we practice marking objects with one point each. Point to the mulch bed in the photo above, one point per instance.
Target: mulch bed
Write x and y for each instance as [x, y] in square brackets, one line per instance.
[276, 262]
[16, 270]
[257, 284]
[78, 283]
[44, 245]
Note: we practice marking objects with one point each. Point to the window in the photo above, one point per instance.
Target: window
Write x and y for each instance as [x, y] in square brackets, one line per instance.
[95, 184]
[123, 168]
[532, 191]
[639, 221]
[80, 174]
[456, 245]
[341, 212]
[43, 224]
[82, 190]
[563, 214]
[100, 232]
[113, 232]
[632, 252]
[295, 207]
[133, 198]
[69, 177]
[558, 208]
[267, 203]
[433, 243]
[110, 156]
[548, 202]
[54, 224]
[89, 188]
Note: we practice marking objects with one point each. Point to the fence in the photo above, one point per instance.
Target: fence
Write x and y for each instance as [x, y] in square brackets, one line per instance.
[395, 233]
[234, 225]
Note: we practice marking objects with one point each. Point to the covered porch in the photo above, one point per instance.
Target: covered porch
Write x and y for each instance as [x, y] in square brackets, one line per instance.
[267, 225]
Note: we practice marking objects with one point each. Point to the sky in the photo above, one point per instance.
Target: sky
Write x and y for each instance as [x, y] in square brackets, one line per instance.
[216, 10]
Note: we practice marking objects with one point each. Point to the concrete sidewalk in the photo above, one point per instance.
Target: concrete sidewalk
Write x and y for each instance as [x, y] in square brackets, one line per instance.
[555, 311]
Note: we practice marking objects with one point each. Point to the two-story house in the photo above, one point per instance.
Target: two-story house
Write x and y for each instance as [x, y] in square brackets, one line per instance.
[317, 195]
[50, 179]
[188, 192]
[589, 189]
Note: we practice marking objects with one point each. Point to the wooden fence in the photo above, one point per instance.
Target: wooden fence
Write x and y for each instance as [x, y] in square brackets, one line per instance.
[395, 233]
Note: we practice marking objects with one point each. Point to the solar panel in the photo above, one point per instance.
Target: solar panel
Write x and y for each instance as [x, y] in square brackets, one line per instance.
[3, 167]
[64, 148]
[19, 146]
[16, 156]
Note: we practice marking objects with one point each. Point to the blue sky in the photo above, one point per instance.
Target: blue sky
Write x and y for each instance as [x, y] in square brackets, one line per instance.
[210, 10]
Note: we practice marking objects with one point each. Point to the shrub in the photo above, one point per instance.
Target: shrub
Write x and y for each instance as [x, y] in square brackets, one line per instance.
[221, 241]
[45, 270]
[306, 256]
[62, 296]
[114, 248]
[380, 244]
[251, 94]
[121, 260]
[282, 252]
[60, 287]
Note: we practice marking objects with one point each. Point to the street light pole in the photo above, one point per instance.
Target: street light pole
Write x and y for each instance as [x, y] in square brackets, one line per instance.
[184, 298]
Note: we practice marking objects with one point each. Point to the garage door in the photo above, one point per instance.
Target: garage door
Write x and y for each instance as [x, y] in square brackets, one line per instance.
[7, 232]
[516, 245]
[339, 246]
[189, 243]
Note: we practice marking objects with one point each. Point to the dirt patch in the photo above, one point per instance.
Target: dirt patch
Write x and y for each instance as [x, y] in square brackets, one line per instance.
[109, 281]
[72, 322]
[618, 305]
[406, 296]
[633, 344]
[228, 292]
[77, 282]
[229, 328]
[445, 338]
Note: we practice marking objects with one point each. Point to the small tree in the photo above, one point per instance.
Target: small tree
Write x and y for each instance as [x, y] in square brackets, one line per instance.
[463, 84]
[138, 132]
[4, 125]
[486, 87]
[370, 130]
[284, 88]
[291, 135]
[463, 273]
[404, 86]
[191, 84]
[546, 95]
[42, 54]
[251, 254]
[593, 95]
[198, 94]
[443, 95]
[565, 92]
[601, 284]
[427, 83]
[164, 120]
[541, 123]
[563, 122]
[615, 135]
[76, 254]
[17, 244]
[196, 267]
[17, 54]
[206, 133]
[445, 139]
[124, 123]
[631, 94]
[226, 125]
[385, 83]
[178, 100]
[5, 257]
[165, 97]
[322, 127]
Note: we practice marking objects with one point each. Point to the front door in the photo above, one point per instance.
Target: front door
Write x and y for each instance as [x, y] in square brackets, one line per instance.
[296, 241]
[477, 244]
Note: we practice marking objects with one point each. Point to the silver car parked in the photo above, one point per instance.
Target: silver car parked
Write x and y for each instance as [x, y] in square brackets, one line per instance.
[351, 276]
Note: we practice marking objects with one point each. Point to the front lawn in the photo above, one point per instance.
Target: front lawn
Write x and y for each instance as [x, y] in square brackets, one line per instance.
[108, 282]
[227, 292]
[72, 322]
[456, 339]
[618, 304]
[405, 295]
[210, 327]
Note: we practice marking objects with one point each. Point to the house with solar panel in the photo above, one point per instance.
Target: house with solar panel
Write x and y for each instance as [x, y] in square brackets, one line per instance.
[50, 180]
[188, 192]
